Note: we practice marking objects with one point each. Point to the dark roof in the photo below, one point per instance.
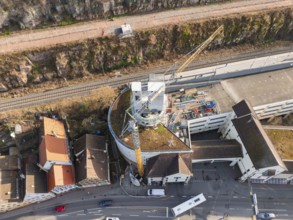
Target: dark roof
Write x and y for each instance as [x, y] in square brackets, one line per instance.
[92, 158]
[8, 162]
[169, 164]
[243, 108]
[213, 149]
[289, 165]
[256, 142]
[35, 180]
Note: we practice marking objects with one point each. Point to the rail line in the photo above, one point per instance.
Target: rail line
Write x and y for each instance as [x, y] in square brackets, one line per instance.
[88, 88]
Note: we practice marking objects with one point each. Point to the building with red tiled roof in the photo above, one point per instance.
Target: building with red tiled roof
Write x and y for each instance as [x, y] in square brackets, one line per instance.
[60, 175]
[53, 150]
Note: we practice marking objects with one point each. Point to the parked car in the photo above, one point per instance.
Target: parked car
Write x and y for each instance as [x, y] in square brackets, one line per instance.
[266, 215]
[112, 218]
[59, 208]
[105, 203]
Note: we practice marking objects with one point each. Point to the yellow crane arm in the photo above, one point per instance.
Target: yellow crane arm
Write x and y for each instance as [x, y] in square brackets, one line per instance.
[199, 50]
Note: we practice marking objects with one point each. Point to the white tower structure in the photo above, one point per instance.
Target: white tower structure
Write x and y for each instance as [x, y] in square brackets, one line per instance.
[149, 101]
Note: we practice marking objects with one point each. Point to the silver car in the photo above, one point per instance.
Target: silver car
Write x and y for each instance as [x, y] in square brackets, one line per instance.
[266, 215]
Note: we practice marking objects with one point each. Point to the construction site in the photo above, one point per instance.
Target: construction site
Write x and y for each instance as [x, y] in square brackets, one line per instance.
[150, 125]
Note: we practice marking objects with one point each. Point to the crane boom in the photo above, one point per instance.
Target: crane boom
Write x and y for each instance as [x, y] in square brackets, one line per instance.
[199, 50]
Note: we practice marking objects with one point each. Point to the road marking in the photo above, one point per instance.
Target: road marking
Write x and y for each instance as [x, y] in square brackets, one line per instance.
[63, 215]
[283, 215]
[280, 210]
[95, 212]
[235, 197]
[167, 211]
[155, 216]
[94, 209]
[98, 214]
[145, 211]
[116, 214]
[133, 215]
[81, 214]
[210, 196]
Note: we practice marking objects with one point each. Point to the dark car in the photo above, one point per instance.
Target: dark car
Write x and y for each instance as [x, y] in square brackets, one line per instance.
[59, 208]
[105, 203]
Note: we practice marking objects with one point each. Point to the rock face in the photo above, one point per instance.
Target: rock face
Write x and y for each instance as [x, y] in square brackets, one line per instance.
[21, 14]
[99, 56]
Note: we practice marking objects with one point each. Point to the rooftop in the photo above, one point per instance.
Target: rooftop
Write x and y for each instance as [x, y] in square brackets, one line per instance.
[213, 149]
[283, 142]
[8, 162]
[257, 143]
[60, 175]
[8, 185]
[169, 164]
[53, 127]
[92, 159]
[35, 179]
[262, 88]
[54, 149]
[151, 139]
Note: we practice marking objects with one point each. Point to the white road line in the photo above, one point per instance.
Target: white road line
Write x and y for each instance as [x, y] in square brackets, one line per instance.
[235, 197]
[63, 215]
[81, 214]
[94, 209]
[68, 213]
[167, 212]
[116, 214]
[210, 196]
[155, 216]
[283, 215]
[279, 210]
[133, 215]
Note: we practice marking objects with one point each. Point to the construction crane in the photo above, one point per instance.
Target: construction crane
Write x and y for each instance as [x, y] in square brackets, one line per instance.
[199, 50]
[132, 125]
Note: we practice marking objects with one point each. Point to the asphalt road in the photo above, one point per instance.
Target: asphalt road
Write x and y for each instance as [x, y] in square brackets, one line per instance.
[225, 196]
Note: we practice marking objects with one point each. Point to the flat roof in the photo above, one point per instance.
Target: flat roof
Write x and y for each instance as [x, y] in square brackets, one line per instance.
[54, 149]
[262, 88]
[213, 149]
[283, 142]
[9, 162]
[259, 89]
[92, 162]
[53, 127]
[8, 185]
[35, 179]
[60, 175]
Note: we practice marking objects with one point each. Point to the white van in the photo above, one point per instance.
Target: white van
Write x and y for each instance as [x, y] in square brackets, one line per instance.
[156, 192]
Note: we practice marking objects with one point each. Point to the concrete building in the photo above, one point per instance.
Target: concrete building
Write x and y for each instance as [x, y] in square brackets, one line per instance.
[273, 99]
[92, 162]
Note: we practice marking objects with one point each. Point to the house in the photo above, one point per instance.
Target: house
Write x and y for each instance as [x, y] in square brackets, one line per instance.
[169, 168]
[54, 156]
[11, 181]
[92, 162]
[35, 183]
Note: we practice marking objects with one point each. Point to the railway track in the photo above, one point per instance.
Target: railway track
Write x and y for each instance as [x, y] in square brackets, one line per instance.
[88, 88]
